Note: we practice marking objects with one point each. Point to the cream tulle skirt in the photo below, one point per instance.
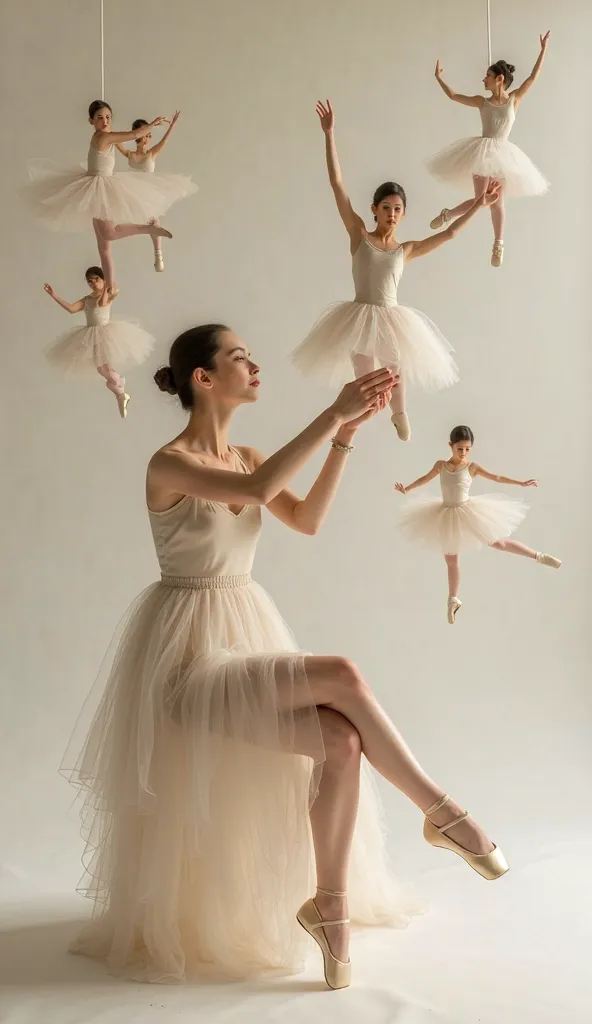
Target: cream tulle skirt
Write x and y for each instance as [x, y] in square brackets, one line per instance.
[488, 158]
[475, 523]
[196, 776]
[119, 343]
[67, 199]
[396, 336]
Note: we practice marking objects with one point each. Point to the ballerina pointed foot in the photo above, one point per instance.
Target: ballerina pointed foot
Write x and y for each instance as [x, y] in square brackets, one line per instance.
[122, 404]
[400, 422]
[337, 972]
[490, 865]
[544, 559]
[441, 220]
[497, 253]
[453, 606]
[158, 262]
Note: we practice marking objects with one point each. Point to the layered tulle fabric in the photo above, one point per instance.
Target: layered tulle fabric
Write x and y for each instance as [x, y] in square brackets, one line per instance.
[68, 198]
[196, 773]
[474, 523]
[120, 343]
[396, 336]
[488, 158]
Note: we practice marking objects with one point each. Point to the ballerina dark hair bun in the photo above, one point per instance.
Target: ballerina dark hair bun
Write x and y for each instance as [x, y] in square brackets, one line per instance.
[164, 380]
[501, 67]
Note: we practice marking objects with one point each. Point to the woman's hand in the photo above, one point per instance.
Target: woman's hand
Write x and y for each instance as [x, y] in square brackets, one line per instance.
[172, 120]
[357, 400]
[439, 71]
[401, 488]
[529, 483]
[544, 40]
[155, 123]
[490, 195]
[47, 288]
[326, 116]
[348, 430]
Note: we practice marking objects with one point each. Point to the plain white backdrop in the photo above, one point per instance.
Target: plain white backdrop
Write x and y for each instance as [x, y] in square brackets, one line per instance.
[498, 708]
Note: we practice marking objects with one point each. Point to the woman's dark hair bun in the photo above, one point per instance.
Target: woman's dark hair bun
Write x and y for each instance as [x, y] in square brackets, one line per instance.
[164, 380]
[510, 67]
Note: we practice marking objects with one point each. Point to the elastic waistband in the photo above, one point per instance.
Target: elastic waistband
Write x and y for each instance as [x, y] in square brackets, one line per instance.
[208, 582]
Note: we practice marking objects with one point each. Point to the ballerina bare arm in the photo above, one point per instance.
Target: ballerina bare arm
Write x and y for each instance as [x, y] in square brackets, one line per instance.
[175, 473]
[155, 150]
[520, 92]
[421, 480]
[113, 138]
[70, 307]
[122, 149]
[468, 101]
[354, 225]
[478, 470]
[426, 245]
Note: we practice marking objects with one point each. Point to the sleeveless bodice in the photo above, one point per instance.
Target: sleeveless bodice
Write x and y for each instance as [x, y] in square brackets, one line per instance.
[455, 485]
[377, 273]
[497, 120]
[101, 163]
[204, 538]
[145, 163]
[96, 316]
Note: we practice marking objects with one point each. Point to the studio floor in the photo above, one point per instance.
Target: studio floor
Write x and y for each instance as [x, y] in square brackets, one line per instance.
[513, 952]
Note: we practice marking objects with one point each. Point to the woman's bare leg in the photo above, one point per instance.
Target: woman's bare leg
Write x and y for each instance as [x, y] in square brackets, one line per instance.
[453, 564]
[479, 185]
[514, 547]
[336, 683]
[333, 819]
[498, 217]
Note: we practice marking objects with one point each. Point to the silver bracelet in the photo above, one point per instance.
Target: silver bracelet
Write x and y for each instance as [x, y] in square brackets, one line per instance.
[346, 448]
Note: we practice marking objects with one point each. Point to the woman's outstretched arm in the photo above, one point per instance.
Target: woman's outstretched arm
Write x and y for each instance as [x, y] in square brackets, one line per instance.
[177, 473]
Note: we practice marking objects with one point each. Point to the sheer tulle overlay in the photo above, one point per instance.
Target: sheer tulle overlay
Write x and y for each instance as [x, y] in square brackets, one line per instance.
[67, 198]
[120, 343]
[396, 336]
[489, 158]
[196, 775]
[476, 522]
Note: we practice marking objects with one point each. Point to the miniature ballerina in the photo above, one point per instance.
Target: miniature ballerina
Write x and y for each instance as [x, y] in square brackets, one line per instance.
[103, 343]
[492, 156]
[118, 204]
[143, 158]
[374, 327]
[458, 522]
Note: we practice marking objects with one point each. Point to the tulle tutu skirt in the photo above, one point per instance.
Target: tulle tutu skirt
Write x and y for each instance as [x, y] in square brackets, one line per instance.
[475, 523]
[489, 158]
[120, 343]
[196, 776]
[67, 199]
[396, 336]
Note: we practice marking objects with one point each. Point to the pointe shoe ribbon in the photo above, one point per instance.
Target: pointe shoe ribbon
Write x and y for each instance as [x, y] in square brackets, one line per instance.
[489, 865]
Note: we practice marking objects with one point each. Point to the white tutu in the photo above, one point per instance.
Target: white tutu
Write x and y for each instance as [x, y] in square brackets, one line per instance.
[68, 198]
[396, 336]
[473, 524]
[196, 775]
[121, 343]
[488, 158]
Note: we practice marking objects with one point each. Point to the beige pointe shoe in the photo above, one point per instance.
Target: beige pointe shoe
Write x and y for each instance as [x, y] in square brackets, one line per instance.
[544, 559]
[453, 606]
[441, 220]
[158, 262]
[489, 865]
[122, 404]
[337, 973]
[497, 253]
[400, 422]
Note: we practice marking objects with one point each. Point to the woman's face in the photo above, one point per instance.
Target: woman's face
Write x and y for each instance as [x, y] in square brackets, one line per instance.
[95, 283]
[461, 450]
[101, 122]
[235, 378]
[388, 212]
[143, 144]
[490, 81]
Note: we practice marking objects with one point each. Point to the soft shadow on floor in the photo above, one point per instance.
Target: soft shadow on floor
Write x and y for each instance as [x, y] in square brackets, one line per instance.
[37, 954]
